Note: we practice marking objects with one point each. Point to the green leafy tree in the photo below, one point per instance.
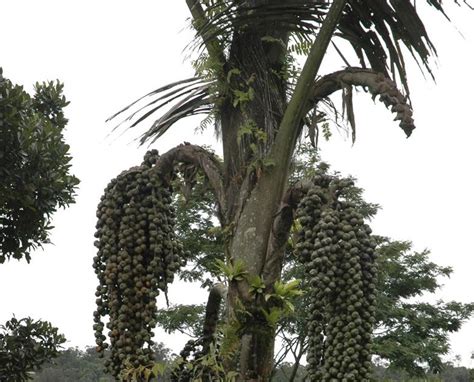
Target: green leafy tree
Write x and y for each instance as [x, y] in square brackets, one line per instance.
[261, 103]
[34, 166]
[34, 169]
[24, 346]
[74, 365]
[413, 335]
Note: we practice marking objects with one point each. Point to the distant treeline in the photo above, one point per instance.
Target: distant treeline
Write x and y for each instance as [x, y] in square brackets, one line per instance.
[382, 374]
[75, 365]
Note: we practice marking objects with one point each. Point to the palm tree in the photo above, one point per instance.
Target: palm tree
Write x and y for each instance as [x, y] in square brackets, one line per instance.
[245, 81]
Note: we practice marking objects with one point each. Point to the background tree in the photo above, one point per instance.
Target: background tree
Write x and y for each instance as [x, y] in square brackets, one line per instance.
[75, 365]
[24, 346]
[34, 169]
[413, 335]
[450, 373]
[261, 105]
[34, 166]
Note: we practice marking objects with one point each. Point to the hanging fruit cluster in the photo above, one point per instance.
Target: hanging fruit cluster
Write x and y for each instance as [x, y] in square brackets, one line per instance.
[190, 352]
[200, 361]
[138, 255]
[338, 253]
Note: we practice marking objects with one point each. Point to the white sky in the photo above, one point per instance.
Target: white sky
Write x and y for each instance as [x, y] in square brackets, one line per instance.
[108, 53]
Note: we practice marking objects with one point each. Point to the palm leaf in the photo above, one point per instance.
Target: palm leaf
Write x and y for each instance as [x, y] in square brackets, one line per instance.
[223, 22]
[167, 98]
[198, 102]
[188, 97]
[376, 28]
[156, 91]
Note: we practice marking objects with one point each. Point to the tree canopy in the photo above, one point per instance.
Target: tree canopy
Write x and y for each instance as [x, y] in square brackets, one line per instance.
[25, 345]
[413, 335]
[34, 168]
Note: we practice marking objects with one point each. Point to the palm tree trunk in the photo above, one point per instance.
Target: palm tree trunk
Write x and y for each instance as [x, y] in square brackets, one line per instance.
[261, 197]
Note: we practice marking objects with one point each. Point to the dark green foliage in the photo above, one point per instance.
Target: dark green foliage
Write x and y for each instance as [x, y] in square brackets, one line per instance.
[74, 365]
[186, 319]
[34, 166]
[25, 345]
[450, 373]
[413, 333]
[35, 181]
[138, 255]
[407, 274]
[197, 230]
[284, 373]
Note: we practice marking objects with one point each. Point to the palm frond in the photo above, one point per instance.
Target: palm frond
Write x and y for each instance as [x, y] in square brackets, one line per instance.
[153, 92]
[223, 21]
[377, 29]
[198, 102]
[187, 97]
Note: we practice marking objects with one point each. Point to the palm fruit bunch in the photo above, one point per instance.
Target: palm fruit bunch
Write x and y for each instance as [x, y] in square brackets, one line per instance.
[190, 352]
[338, 253]
[137, 257]
[197, 364]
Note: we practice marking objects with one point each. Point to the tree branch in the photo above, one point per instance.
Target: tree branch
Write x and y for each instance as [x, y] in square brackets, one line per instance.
[213, 45]
[296, 364]
[206, 161]
[282, 354]
[376, 83]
